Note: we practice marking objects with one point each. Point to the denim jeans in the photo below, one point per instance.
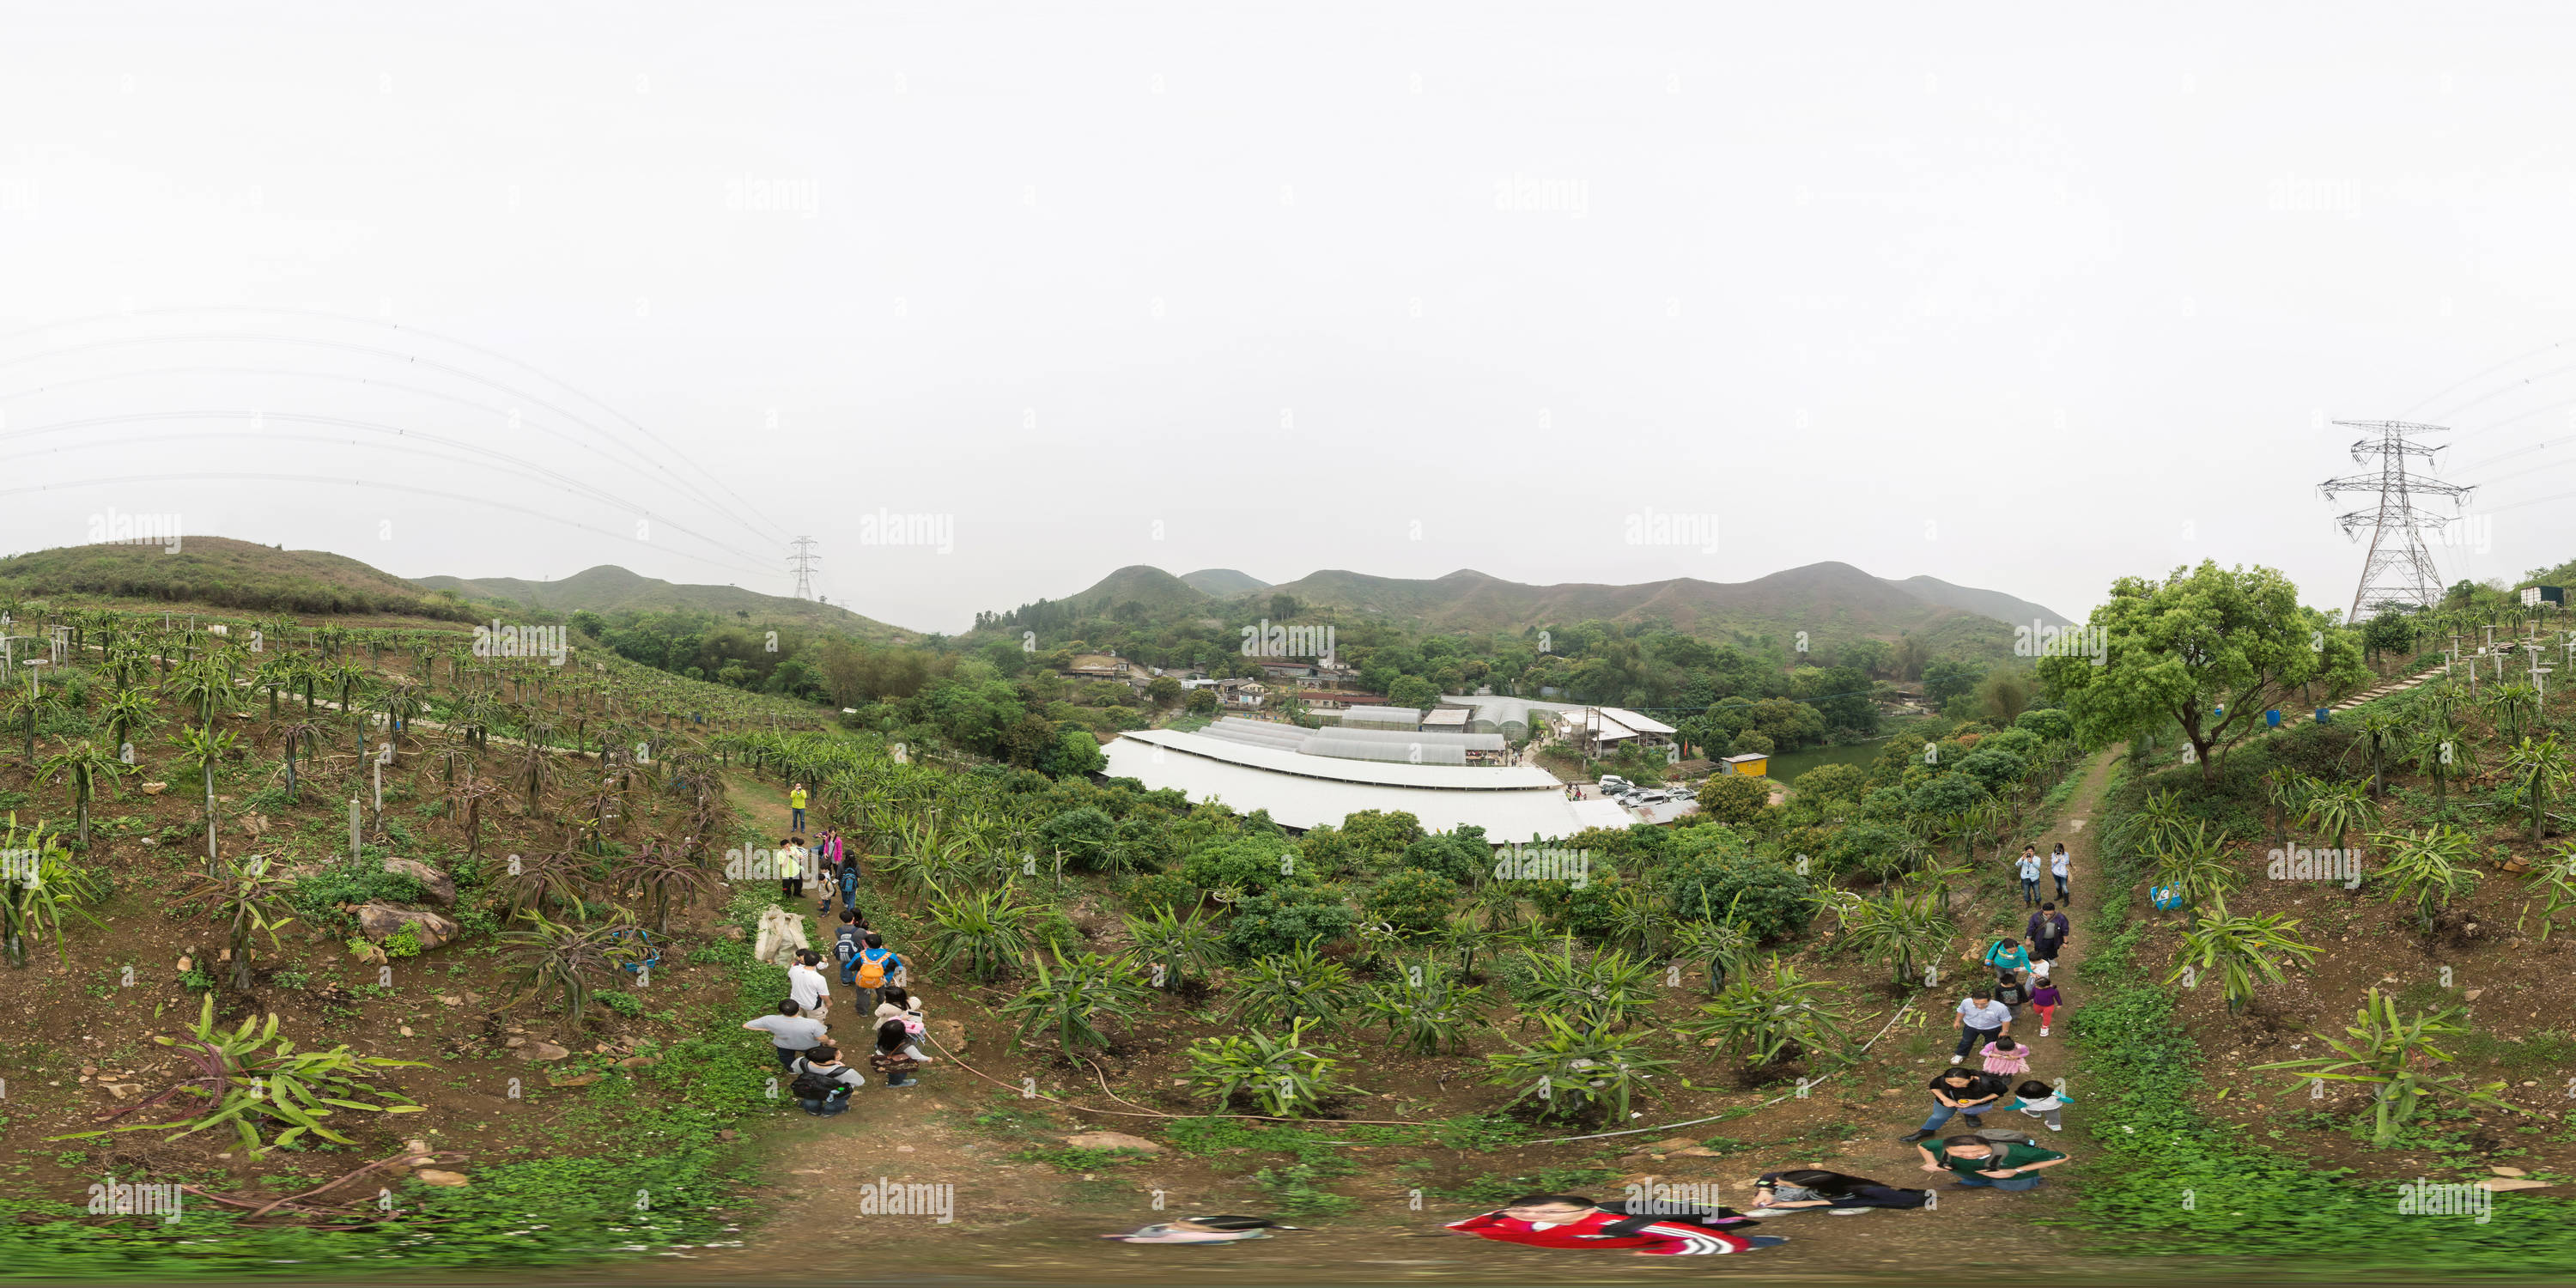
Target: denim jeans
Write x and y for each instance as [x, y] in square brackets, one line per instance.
[2030, 890]
[825, 1108]
[2025, 1181]
[2061, 886]
[1972, 1040]
[800, 820]
[1975, 1114]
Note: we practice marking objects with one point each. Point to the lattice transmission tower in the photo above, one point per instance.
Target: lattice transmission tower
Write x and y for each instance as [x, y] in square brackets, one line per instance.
[804, 560]
[2399, 571]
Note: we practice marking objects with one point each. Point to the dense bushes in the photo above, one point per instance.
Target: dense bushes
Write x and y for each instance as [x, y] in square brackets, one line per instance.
[1267, 925]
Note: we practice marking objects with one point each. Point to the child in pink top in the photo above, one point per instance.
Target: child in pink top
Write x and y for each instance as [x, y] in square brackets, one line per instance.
[2003, 1055]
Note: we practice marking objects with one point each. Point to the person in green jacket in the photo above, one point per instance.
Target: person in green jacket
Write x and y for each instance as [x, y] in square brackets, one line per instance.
[1982, 1163]
[2008, 954]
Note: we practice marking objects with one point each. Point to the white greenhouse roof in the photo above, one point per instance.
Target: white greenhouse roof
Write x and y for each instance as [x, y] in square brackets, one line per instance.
[1514, 803]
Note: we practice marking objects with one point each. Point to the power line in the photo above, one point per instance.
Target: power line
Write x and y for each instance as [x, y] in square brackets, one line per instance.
[2398, 572]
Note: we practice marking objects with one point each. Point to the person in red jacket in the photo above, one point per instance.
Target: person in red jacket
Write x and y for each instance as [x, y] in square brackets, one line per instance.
[1573, 1221]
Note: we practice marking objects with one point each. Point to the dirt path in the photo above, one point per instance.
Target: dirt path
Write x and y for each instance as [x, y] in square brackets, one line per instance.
[1024, 1222]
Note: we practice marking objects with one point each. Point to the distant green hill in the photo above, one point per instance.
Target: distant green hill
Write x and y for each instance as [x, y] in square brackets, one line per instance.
[1222, 583]
[611, 589]
[1829, 601]
[223, 573]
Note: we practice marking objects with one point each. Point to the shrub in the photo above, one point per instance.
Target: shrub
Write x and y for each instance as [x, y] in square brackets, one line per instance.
[1413, 900]
[2051, 724]
[1379, 833]
[1087, 837]
[1832, 783]
[1734, 798]
[1454, 855]
[1251, 864]
[1270, 924]
[1714, 878]
[1284, 1076]
[1145, 843]
[1161, 890]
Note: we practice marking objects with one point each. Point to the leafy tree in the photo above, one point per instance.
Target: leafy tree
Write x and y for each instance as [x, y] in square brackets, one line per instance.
[1413, 900]
[2048, 722]
[1275, 923]
[1458, 856]
[2207, 649]
[1711, 876]
[1074, 755]
[1201, 701]
[1734, 798]
[1163, 691]
[1087, 838]
[1412, 691]
[1248, 864]
[1380, 833]
[1950, 678]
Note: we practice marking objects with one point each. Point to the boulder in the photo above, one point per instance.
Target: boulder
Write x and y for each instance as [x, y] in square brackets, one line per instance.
[1112, 1140]
[154, 789]
[381, 921]
[433, 1176]
[440, 887]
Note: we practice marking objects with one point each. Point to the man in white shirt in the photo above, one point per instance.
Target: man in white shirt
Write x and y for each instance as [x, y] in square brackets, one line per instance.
[805, 984]
[2029, 876]
[2059, 866]
[1982, 1019]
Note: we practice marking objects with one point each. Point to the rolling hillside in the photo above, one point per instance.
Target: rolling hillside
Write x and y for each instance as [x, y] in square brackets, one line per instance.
[1223, 583]
[1824, 599]
[611, 589]
[223, 573]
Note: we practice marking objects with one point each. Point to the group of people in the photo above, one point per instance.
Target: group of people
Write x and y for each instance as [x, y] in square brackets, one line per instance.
[876, 977]
[1980, 1158]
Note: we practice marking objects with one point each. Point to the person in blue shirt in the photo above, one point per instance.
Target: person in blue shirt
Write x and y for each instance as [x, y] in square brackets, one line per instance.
[2030, 869]
[2008, 954]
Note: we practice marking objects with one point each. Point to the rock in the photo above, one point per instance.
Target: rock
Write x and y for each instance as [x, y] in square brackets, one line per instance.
[1892, 1091]
[733, 933]
[440, 887]
[1695, 1151]
[380, 921]
[582, 1081]
[450, 999]
[2472, 994]
[124, 1090]
[146, 841]
[406, 1031]
[1112, 1140]
[433, 1176]
[949, 1034]
[418, 1148]
[540, 1052]
[2503, 1184]
[2508, 1171]
[1669, 1145]
[728, 1134]
[515, 1043]
[153, 789]
[637, 1062]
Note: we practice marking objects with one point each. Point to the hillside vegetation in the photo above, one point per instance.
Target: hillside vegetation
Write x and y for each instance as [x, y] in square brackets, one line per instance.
[609, 589]
[220, 572]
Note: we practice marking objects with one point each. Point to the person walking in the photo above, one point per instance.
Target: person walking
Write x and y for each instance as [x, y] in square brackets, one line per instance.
[805, 984]
[2043, 1102]
[2060, 867]
[1982, 1163]
[823, 1084]
[792, 859]
[2005, 1056]
[877, 967]
[791, 1033]
[2010, 991]
[1805, 1189]
[796, 806]
[2008, 955]
[2047, 932]
[2046, 997]
[1959, 1091]
[2029, 876]
[898, 1053]
[847, 942]
[1982, 1019]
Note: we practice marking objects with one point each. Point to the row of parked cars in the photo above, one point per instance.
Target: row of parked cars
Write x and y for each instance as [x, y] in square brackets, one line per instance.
[1613, 787]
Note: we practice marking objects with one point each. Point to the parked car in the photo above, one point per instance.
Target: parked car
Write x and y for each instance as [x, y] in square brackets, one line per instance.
[1614, 785]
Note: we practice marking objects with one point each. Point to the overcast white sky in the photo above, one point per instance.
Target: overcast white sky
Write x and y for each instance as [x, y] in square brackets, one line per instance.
[2029, 299]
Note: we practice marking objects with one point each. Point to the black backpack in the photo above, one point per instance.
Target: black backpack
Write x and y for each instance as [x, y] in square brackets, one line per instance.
[810, 1085]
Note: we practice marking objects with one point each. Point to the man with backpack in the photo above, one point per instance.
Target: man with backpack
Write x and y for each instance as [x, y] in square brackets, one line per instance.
[823, 1084]
[877, 967]
[2046, 932]
[847, 943]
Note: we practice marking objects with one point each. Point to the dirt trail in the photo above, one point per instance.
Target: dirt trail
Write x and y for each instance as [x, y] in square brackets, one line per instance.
[1027, 1222]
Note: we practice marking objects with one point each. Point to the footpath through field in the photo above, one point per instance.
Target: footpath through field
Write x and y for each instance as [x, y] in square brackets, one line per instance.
[1027, 1222]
